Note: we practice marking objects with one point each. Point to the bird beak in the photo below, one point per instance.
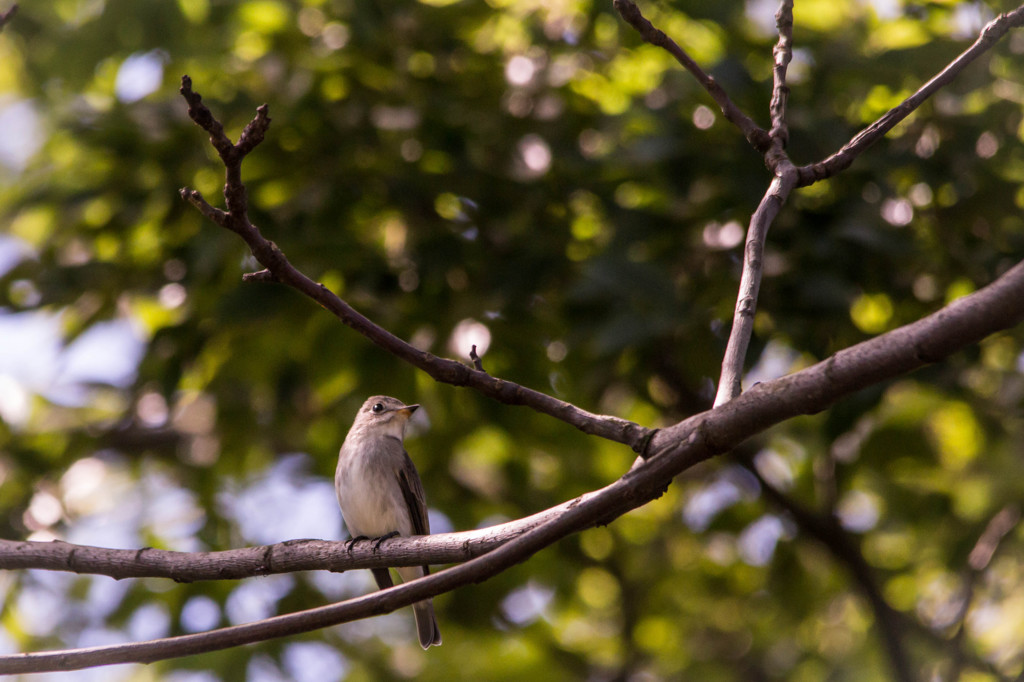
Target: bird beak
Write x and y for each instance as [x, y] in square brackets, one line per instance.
[408, 410]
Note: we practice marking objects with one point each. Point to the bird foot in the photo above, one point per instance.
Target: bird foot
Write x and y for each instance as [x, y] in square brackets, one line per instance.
[382, 538]
[348, 545]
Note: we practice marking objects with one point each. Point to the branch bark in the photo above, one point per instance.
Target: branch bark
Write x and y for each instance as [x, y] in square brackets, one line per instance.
[783, 54]
[978, 562]
[282, 557]
[670, 451]
[730, 382]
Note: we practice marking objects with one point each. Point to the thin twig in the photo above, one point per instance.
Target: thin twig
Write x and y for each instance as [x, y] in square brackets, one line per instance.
[977, 562]
[756, 135]
[842, 159]
[783, 54]
[672, 450]
[729, 384]
[477, 360]
[279, 269]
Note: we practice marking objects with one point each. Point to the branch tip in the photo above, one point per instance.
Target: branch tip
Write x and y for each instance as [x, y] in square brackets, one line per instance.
[477, 361]
[261, 276]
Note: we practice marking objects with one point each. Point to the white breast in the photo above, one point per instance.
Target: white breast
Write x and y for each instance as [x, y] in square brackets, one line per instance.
[368, 492]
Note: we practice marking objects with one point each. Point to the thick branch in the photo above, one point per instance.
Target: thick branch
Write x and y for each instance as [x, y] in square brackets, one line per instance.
[729, 384]
[963, 322]
[842, 159]
[279, 269]
[283, 557]
[756, 135]
[672, 450]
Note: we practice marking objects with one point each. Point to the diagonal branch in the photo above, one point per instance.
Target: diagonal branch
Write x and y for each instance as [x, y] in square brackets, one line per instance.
[279, 269]
[670, 451]
[977, 562]
[756, 135]
[842, 159]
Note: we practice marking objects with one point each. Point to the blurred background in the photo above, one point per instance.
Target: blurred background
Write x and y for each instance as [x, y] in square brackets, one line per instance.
[527, 177]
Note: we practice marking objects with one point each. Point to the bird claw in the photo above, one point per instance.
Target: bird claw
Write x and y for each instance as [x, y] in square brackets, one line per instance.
[348, 546]
[382, 538]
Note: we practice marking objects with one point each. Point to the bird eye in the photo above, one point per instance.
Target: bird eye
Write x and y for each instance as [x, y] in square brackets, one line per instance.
[377, 408]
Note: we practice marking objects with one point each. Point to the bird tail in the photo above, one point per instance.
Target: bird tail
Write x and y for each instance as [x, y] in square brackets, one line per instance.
[426, 624]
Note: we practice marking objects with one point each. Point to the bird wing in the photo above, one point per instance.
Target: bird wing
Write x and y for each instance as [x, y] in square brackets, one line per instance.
[415, 499]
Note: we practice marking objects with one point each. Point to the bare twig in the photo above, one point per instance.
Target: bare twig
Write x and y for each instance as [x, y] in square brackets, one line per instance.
[477, 360]
[279, 269]
[729, 384]
[756, 135]
[672, 450]
[783, 54]
[997, 529]
[730, 381]
[977, 561]
[842, 159]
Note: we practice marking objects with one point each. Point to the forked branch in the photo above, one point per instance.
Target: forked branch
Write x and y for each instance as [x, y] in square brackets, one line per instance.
[993, 31]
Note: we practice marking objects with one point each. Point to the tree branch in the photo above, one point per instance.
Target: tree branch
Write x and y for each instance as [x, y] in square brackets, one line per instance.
[279, 269]
[965, 321]
[788, 177]
[282, 557]
[977, 562]
[783, 54]
[842, 159]
[730, 381]
[729, 384]
[756, 135]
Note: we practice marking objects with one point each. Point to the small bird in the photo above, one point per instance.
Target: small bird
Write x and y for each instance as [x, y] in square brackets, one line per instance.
[381, 495]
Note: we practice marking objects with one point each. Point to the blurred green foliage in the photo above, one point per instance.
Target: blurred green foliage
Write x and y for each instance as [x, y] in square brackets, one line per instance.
[532, 167]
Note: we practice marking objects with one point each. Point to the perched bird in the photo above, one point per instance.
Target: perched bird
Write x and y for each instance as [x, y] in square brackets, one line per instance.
[381, 495]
